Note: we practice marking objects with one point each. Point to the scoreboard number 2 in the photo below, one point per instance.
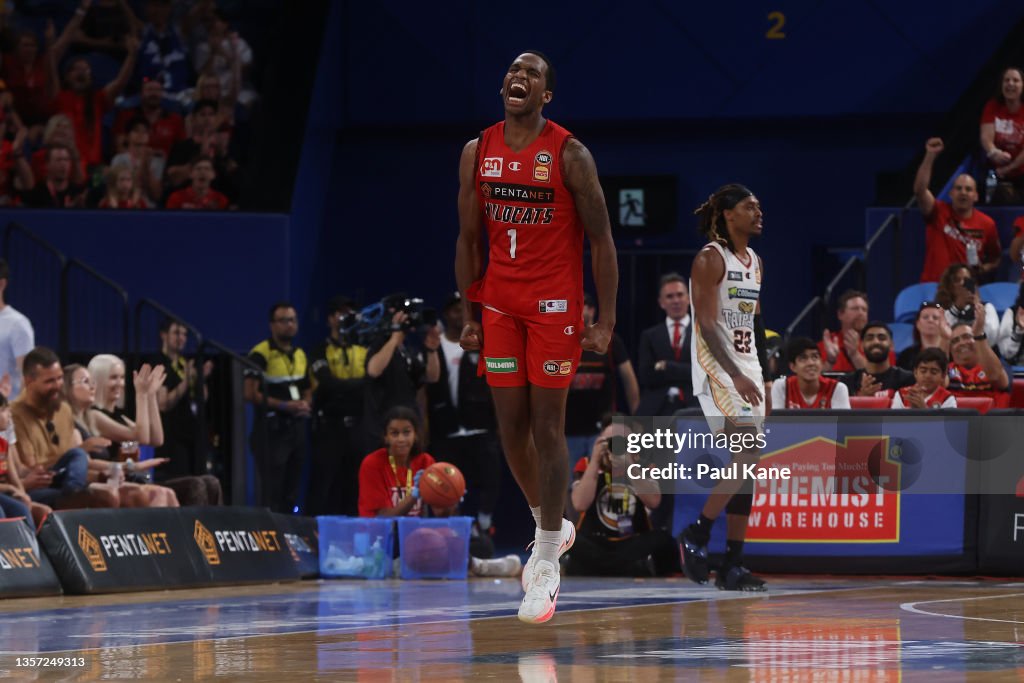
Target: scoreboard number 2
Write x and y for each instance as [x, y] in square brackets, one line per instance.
[775, 31]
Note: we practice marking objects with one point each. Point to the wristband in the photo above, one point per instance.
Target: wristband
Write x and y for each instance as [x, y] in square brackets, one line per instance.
[979, 337]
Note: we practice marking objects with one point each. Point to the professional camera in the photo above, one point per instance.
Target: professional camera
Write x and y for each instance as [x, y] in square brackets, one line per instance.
[374, 321]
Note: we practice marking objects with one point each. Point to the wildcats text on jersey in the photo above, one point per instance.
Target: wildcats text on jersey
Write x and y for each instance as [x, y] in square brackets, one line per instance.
[518, 215]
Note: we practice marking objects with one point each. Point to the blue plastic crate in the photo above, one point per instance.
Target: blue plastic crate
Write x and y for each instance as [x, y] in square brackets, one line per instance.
[434, 548]
[356, 547]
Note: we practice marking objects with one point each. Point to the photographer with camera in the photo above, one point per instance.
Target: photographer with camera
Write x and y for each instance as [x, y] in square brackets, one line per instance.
[279, 457]
[338, 369]
[615, 536]
[395, 373]
[957, 294]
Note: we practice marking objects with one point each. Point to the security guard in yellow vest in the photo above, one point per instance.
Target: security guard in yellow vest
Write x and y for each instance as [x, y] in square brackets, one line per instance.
[278, 437]
[338, 370]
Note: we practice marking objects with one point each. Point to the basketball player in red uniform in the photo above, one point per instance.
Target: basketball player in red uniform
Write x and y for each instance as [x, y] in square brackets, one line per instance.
[535, 189]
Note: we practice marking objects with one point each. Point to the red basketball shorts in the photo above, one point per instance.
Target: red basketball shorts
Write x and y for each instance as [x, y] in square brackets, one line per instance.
[518, 352]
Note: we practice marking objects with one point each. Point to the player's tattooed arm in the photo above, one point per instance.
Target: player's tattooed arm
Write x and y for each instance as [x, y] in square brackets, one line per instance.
[469, 255]
[580, 174]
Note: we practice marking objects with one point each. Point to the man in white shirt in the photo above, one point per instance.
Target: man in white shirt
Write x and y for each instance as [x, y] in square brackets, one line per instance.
[16, 338]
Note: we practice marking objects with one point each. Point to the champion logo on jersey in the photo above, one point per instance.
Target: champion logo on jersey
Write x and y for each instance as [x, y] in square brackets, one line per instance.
[491, 167]
[514, 166]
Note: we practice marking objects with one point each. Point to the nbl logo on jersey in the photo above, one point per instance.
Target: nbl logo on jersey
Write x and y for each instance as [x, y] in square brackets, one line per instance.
[491, 167]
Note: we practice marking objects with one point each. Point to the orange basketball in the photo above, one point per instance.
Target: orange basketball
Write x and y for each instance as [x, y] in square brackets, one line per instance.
[442, 485]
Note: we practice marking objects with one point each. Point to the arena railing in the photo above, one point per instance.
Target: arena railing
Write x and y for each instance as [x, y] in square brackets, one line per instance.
[35, 266]
[81, 311]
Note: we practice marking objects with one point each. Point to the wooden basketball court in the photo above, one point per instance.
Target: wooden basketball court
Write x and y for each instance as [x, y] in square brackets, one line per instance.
[804, 629]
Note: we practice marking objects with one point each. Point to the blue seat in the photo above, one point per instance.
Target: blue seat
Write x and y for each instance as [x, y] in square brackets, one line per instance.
[1002, 295]
[902, 336]
[909, 300]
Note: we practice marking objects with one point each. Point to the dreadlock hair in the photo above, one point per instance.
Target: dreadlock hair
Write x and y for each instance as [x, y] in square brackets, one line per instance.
[712, 213]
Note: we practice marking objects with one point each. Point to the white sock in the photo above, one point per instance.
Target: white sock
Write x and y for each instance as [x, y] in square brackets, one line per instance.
[536, 515]
[483, 520]
[547, 545]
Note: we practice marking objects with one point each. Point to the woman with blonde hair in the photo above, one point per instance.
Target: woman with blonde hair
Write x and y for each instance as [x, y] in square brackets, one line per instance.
[122, 190]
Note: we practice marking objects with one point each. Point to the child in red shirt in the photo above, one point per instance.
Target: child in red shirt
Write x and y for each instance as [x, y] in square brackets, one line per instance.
[389, 477]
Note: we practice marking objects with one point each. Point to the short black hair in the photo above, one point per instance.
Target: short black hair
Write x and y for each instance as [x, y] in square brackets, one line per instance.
[340, 303]
[166, 322]
[39, 357]
[206, 104]
[873, 324]
[797, 346]
[278, 306]
[549, 76]
[932, 355]
[411, 416]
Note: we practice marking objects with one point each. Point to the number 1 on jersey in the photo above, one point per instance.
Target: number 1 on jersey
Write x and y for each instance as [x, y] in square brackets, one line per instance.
[512, 247]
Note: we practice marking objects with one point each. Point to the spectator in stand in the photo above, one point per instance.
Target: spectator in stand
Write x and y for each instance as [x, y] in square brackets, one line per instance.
[14, 500]
[54, 467]
[278, 437]
[166, 127]
[389, 477]
[178, 403]
[122, 191]
[26, 73]
[1002, 137]
[15, 173]
[927, 390]
[1017, 250]
[594, 391]
[806, 389]
[880, 376]
[84, 103]
[463, 426]
[205, 140]
[17, 337]
[1011, 332]
[842, 350]
[338, 369]
[229, 111]
[975, 370]
[931, 331]
[132, 486]
[226, 55]
[956, 232]
[616, 537]
[395, 373]
[105, 28]
[58, 191]
[958, 295]
[59, 131]
[162, 54]
[200, 195]
[146, 164]
[664, 356]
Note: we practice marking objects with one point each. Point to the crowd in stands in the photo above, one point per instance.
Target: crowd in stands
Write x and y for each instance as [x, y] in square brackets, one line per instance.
[130, 105]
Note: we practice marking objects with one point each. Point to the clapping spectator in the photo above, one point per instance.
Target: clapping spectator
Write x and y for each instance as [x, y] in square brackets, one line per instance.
[931, 331]
[956, 232]
[57, 191]
[162, 54]
[958, 295]
[146, 164]
[226, 55]
[1002, 136]
[59, 131]
[84, 103]
[879, 376]
[205, 140]
[122, 190]
[842, 350]
[974, 369]
[1011, 332]
[806, 388]
[927, 390]
[200, 194]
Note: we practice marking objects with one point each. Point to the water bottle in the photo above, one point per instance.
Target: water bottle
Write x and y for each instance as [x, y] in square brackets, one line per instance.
[991, 182]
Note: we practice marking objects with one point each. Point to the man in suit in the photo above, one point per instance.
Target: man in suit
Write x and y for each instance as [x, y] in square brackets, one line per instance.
[665, 379]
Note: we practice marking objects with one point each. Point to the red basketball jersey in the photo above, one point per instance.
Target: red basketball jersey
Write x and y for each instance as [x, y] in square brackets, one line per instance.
[934, 401]
[823, 401]
[535, 262]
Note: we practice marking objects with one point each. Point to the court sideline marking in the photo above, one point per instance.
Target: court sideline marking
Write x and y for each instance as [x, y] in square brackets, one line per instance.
[912, 607]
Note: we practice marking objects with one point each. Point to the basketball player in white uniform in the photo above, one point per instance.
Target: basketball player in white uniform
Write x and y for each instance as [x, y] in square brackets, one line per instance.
[727, 355]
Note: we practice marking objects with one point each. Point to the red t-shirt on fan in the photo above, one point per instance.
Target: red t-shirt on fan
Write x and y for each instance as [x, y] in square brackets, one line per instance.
[188, 199]
[946, 237]
[535, 261]
[823, 401]
[1009, 129]
[380, 487]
